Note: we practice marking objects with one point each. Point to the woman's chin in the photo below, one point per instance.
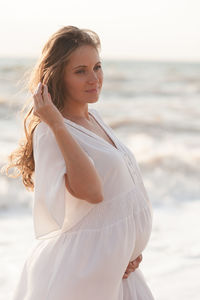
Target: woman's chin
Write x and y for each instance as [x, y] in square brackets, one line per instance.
[92, 100]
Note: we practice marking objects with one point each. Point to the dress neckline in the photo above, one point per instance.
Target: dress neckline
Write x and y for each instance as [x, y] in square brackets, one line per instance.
[91, 133]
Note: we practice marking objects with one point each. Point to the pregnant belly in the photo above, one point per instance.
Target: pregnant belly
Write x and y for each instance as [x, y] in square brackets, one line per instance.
[143, 228]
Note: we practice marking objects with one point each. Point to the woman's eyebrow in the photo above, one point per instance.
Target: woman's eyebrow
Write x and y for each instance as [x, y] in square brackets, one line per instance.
[85, 66]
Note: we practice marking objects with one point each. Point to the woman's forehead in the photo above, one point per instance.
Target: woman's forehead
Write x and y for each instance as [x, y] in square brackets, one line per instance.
[84, 55]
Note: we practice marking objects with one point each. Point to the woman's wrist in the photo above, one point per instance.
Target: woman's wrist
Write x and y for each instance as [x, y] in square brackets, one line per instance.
[57, 126]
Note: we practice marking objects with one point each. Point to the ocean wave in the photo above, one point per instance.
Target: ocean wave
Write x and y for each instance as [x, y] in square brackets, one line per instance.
[156, 124]
[172, 164]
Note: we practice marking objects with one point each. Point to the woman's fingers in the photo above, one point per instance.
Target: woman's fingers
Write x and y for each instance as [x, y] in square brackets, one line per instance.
[38, 101]
[41, 95]
[37, 88]
[46, 95]
[139, 258]
[128, 271]
[132, 266]
[44, 107]
[136, 261]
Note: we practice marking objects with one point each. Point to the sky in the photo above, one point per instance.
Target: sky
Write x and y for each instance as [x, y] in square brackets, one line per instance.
[128, 29]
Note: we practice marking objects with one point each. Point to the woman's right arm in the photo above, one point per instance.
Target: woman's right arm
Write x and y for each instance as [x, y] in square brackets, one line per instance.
[81, 180]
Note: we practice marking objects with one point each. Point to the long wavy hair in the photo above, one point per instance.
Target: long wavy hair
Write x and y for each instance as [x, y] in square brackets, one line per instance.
[49, 69]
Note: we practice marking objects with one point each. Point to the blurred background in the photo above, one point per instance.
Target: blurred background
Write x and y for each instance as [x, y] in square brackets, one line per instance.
[151, 63]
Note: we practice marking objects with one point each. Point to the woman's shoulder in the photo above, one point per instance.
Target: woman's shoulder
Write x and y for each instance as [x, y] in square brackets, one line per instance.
[44, 139]
[42, 129]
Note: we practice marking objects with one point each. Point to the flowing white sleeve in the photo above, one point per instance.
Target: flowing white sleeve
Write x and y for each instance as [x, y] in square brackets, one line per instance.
[55, 210]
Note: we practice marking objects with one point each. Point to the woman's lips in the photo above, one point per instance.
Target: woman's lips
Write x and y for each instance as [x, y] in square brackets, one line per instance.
[92, 91]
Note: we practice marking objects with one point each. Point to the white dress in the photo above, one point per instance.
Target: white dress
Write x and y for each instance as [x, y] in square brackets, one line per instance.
[83, 248]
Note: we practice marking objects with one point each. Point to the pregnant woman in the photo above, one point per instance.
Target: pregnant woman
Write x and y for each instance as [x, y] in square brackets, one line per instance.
[91, 213]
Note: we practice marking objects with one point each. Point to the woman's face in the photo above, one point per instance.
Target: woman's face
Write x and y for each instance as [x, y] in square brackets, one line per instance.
[83, 75]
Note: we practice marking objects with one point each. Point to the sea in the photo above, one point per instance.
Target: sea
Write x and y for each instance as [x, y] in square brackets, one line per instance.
[154, 108]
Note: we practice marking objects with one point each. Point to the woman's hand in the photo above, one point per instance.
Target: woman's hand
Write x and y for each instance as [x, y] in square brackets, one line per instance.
[132, 266]
[44, 108]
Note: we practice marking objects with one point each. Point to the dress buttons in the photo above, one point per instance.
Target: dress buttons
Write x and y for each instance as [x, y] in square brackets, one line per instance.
[129, 167]
[130, 164]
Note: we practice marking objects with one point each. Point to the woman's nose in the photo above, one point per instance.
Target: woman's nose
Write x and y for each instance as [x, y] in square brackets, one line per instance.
[93, 78]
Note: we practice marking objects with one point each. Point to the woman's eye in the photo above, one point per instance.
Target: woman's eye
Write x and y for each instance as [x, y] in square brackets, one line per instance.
[83, 71]
[80, 71]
